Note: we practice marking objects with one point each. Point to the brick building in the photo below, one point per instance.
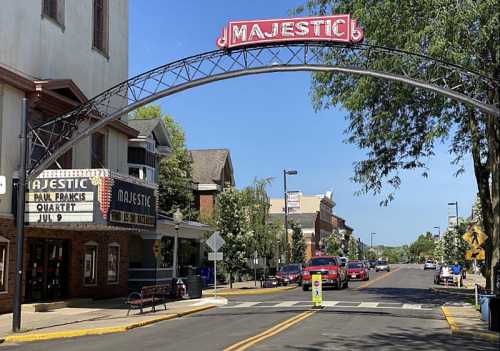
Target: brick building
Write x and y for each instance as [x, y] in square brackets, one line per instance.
[212, 170]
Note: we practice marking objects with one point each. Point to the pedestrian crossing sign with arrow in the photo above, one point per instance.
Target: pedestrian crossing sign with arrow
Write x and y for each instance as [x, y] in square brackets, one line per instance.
[475, 237]
[475, 254]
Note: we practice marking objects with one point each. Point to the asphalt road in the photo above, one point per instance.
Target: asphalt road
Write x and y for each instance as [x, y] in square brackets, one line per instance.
[392, 311]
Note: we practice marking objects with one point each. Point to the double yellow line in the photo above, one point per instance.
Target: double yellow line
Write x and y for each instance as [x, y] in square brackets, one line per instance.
[245, 344]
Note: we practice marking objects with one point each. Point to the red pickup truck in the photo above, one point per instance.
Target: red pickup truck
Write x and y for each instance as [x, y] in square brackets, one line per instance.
[333, 272]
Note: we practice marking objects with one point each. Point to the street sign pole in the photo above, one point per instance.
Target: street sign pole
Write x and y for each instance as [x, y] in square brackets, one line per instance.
[21, 187]
[215, 278]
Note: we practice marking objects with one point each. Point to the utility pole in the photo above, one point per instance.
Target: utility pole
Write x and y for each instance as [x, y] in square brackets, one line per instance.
[285, 194]
[21, 188]
[371, 240]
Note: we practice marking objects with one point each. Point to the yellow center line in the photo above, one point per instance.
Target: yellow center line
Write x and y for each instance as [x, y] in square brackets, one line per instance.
[377, 279]
[246, 343]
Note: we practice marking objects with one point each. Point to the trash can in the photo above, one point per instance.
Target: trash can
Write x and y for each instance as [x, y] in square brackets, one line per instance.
[484, 305]
[194, 285]
[494, 314]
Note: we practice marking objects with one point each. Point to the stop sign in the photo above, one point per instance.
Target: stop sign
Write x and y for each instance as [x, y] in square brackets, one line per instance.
[316, 283]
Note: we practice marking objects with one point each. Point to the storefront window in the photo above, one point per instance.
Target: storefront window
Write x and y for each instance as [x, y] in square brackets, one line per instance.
[4, 247]
[90, 264]
[113, 263]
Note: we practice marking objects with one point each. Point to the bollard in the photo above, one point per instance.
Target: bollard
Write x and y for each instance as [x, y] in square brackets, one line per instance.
[317, 292]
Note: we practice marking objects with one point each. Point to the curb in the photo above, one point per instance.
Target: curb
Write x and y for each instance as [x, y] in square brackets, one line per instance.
[98, 331]
[455, 329]
[250, 292]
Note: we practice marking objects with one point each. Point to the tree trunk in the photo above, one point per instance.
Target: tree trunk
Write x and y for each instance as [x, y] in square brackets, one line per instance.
[230, 280]
[482, 173]
[493, 242]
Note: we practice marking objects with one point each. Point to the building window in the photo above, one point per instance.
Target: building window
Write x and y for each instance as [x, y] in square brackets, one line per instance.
[100, 30]
[54, 9]
[113, 263]
[4, 259]
[90, 264]
[98, 150]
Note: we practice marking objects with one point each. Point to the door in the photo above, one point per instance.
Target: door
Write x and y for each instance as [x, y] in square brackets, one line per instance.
[47, 271]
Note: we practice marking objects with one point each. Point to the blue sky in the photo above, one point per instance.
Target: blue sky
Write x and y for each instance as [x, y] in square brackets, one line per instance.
[268, 123]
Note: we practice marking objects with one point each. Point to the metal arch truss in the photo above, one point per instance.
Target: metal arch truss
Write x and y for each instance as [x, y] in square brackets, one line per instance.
[52, 139]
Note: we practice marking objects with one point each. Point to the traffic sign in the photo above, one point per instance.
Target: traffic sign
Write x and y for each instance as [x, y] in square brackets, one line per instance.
[215, 256]
[3, 183]
[475, 237]
[215, 242]
[317, 293]
[157, 248]
[475, 254]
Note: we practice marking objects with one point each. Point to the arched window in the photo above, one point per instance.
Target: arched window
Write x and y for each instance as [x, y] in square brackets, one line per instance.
[90, 263]
[113, 263]
[4, 264]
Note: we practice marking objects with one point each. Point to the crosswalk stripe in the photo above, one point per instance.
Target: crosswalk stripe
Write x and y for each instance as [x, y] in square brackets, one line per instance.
[287, 304]
[338, 304]
[368, 304]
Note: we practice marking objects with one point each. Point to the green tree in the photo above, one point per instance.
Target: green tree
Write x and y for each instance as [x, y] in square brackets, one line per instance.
[353, 250]
[439, 250]
[399, 125]
[174, 181]
[332, 243]
[232, 223]
[422, 248]
[454, 246]
[298, 244]
[256, 202]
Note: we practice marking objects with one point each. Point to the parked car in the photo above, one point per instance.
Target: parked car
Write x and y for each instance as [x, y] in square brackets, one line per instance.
[438, 276]
[429, 265]
[382, 265]
[357, 270]
[372, 263]
[290, 274]
[333, 272]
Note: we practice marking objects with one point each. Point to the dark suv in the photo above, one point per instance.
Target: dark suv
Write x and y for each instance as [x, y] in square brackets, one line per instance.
[333, 272]
[289, 274]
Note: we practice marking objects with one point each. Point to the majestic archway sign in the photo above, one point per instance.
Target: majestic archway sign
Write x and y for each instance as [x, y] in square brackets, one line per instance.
[255, 47]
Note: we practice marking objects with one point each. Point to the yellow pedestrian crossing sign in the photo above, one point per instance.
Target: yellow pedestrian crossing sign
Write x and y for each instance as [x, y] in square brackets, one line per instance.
[475, 237]
[317, 293]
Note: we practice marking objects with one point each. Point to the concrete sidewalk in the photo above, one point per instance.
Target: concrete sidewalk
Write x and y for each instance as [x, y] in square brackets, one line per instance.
[99, 317]
[246, 288]
[466, 321]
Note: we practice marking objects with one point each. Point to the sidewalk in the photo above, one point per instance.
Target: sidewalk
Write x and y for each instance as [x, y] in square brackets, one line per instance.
[97, 317]
[245, 288]
[466, 320]
[467, 287]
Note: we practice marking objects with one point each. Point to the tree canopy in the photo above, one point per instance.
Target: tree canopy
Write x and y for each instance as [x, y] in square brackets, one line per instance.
[399, 126]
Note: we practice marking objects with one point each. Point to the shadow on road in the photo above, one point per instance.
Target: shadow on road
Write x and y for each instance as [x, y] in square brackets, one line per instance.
[412, 295]
[414, 339]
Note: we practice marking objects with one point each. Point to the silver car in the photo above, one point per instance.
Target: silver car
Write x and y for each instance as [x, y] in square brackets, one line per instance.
[429, 265]
[382, 266]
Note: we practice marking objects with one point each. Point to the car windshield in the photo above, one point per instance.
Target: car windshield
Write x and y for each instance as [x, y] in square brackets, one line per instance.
[382, 263]
[290, 268]
[355, 265]
[321, 261]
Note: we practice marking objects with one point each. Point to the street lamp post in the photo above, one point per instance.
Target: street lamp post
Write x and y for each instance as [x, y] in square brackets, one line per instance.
[285, 173]
[456, 210]
[371, 240]
[177, 220]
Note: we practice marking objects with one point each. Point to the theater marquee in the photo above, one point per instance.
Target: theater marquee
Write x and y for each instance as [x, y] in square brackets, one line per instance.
[335, 28]
[92, 196]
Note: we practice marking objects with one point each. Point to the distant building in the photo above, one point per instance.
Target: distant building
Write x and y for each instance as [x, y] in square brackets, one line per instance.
[311, 212]
[212, 170]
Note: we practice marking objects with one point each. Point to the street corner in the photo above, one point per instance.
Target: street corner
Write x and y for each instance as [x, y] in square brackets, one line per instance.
[464, 321]
[256, 291]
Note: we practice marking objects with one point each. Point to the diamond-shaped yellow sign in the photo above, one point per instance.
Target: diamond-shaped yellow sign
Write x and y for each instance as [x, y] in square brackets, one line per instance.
[475, 237]
[475, 254]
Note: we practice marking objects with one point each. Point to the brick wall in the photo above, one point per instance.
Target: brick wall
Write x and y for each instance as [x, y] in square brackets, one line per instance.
[76, 242]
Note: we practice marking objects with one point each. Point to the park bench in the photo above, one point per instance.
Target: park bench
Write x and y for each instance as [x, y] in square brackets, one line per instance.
[149, 295]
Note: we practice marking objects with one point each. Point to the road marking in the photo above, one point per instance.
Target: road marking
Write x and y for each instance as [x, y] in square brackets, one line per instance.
[368, 304]
[245, 344]
[287, 304]
[377, 279]
[246, 304]
[336, 304]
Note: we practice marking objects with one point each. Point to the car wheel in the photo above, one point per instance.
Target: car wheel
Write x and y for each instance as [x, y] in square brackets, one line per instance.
[305, 288]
